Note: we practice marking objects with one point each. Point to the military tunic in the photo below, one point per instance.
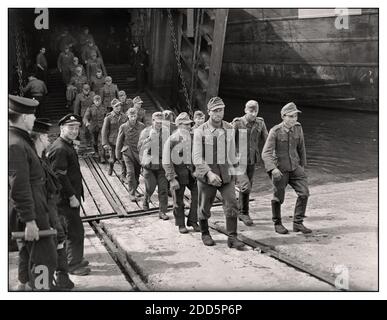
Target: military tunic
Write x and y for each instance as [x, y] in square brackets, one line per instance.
[64, 161]
[220, 158]
[111, 125]
[95, 116]
[126, 146]
[28, 201]
[285, 150]
[154, 174]
[247, 145]
[108, 93]
[180, 146]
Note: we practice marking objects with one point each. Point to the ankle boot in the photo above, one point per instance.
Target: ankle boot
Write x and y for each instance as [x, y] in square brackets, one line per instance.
[231, 227]
[300, 227]
[206, 237]
[276, 212]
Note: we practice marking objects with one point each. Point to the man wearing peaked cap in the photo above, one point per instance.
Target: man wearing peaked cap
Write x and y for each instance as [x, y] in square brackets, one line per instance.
[40, 137]
[285, 159]
[250, 132]
[28, 208]
[110, 127]
[64, 162]
[150, 147]
[126, 148]
[216, 173]
[177, 163]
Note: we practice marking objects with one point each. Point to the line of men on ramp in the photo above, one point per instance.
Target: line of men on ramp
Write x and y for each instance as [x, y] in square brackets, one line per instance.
[45, 182]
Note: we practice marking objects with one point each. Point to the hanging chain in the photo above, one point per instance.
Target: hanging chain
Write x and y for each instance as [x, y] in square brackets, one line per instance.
[177, 56]
[18, 59]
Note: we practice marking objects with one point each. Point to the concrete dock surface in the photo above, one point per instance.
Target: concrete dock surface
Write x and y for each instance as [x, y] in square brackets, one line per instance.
[344, 243]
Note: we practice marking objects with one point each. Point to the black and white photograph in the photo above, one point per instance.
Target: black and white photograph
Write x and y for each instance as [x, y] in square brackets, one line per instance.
[193, 149]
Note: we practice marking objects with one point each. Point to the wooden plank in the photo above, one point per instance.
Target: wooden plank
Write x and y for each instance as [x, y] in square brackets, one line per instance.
[89, 206]
[106, 189]
[217, 52]
[118, 188]
[97, 194]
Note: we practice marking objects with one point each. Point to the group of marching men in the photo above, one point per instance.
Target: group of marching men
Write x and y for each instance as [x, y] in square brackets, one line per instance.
[45, 181]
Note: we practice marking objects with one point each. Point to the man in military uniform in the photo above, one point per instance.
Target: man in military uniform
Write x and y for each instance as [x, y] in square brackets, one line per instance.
[250, 132]
[126, 103]
[137, 103]
[139, 65]
[126, 147]
[285, 159]
[36, 89]
[177, 163]
[214, 159]
[28, 207]
[199, 118]
[42, 65]
[150, 146]
[110, 127]
[64, 161]
[39, 135]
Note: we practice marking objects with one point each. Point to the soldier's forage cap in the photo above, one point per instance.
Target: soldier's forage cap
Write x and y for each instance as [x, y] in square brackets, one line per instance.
[108, 78]
[252, 104]
[134, 45]
[137, 100]
[115, 102]
[42, 125]
[18, 104]
[97, 97]
[78, 68]
[215, 103]
[69, 119]
[158, 116]
[289, 109]
[183, 118]
[132, 111]
[198, 114]
[121, 93]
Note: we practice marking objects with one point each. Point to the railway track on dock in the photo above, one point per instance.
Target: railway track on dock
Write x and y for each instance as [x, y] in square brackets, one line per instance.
[107, 198]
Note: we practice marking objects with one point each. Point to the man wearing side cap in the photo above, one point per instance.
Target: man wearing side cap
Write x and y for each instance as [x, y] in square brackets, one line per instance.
[64, 161]
[126, 103]
[39, 135]
[150, 146]
[177, 163]
[126, 147]
[108, 92]
[137, 103]
[214, 159]
[110, 127]
[250, 133]
[285, 159]
[28, 208]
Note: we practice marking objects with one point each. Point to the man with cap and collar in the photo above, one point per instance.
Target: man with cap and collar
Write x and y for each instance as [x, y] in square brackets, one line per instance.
[110, 127]
[126, 148]
[177, 163]
[64, 161]
[28, 207]
[39, 135]
[65, 59]
[127, 103]
[169, 118]
[137, 103]
[37, 90]
[199, 118]
[108, 92]
[150, 146]
[250, 132]
[285, 159]
[214, 159]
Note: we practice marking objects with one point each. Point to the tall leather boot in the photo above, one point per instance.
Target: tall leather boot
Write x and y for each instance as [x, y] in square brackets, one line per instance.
[276, 212]
[206, 237]
[145, 203]
[231, 227]
[299, 215]
[244, 209]
[123, 172]
[111, 166]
